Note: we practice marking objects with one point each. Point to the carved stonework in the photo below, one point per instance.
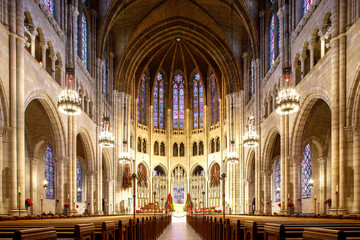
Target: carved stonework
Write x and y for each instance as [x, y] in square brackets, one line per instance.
[5, 133]
[349, 133]
[356, 130]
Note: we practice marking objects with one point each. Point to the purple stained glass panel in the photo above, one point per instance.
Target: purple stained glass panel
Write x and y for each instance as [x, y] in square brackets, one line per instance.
[175, 106]
[78, 181]
[181, 106]
[195, 105]
[50, 5]
[272, 40]
[105, 80]
[84, 40]
[251, 82]
[307, 4]
[156, 104]
[49, 173]
[201, 104]
[306, 172]
[143, 100]
[277, 180]
[213, 99]
[161, 103]
[175, 193]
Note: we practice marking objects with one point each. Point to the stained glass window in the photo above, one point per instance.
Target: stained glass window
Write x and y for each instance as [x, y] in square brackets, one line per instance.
[306, 172]
[105, 80]
[159, 102]
[251, 79]
[50, 5]
[279, 36]
[277, 180]
[215, 104]
[76, 37]
[307, 4]
[272, 40]
[84, 40]
[78, 181]
[182, 191]
[49, 173]
[198, 102]
[141, 101]
[178, 102]
[175, 193]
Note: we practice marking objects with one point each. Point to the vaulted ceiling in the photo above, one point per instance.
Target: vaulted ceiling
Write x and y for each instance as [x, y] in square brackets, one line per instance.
[149, 35]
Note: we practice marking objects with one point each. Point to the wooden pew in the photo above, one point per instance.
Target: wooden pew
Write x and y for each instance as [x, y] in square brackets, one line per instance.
[35, 234]
[84, 232]
[250, 230]
[108, 231]
[274, 231]
[323, 234]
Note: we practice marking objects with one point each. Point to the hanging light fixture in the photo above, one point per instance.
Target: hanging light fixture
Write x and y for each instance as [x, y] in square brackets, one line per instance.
[287, 102]
[251, 138]
[232, 156]
[69, 101]
[124, 157]
[106, 139]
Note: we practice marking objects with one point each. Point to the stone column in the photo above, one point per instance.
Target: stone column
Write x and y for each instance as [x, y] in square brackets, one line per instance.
[322, 182]
[33, 182]
[267, 191]
[52, 70]
[312, 53]
[20, 102]
[73, 163]
[43, 46]
[297, 160]
[282, 163]
[33, 35]
[90, 198]
[302, 60]
[356, 167]
[59, 192]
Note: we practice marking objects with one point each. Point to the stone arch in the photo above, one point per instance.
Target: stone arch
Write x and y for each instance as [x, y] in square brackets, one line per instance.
[107, 160]
[162, 166]
[353, 112]
[56, 124]
[249, 159]
[88, 147]
[214, 174]
[142, 171]
[4, 106]
[194, 167]
[268, 147]
[302, 116]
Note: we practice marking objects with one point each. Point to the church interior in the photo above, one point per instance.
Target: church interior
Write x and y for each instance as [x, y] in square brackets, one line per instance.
[127, 108]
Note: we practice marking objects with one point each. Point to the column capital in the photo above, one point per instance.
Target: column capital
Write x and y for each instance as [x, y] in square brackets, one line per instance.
[43, 45]
[322, 160]
[280, 13]
[349, 133]
[296, 159]
[245, 55]
[34, 161]
[58, 160]
[5, 133]
[262, 13]
[356, 130]
[75, 12]
[52, 56]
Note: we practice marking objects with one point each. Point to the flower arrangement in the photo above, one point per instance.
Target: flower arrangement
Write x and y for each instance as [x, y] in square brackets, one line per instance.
[66, 205]
[328, 202]
[169, 204]
[138, 211]
[290, 204]
[28, 202]
[149, 211]
[77, 206]
[188, 204]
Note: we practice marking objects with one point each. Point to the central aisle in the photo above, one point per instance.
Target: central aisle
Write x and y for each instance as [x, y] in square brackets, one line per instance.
[179, 229]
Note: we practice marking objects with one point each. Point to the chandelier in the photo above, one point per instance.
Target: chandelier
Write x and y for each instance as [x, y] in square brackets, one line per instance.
[106, 139]
[124, 157]
[251, 138]
[232, 156]
[287, 102]
[69, 101]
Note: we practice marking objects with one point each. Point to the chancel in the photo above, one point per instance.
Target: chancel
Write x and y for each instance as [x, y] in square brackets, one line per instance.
[141, 116]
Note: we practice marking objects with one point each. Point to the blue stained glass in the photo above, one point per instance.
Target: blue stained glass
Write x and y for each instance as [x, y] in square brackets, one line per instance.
[76, 37]
[50, 5]
[279, 36]
[182, 191]
[49, 173]
[251, 79]
[141, 101]
[272, 40]
[306, 172]
[201, 104]
[277, 180]
[105, 80]
[175, 193]
[156, 104]
[178, 102]
[78, 181]
[307, 4]
[195, 105]
[84, 40]
[161, 104]
[215, 104]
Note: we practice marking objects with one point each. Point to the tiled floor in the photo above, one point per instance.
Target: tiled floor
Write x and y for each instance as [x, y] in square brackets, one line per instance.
[179, 230]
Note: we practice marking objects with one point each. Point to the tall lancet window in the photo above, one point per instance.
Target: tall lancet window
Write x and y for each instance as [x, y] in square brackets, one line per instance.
[215, 103]
[84, 40]
[198, 102]
[277, 181]
[159, 102]
[141, 101]
[251, 79]
[50, 5]
[272, 40]
[49, 173]
[178, 102]
[105, 80]
[306, 172]
[78, 181]
[307, 4]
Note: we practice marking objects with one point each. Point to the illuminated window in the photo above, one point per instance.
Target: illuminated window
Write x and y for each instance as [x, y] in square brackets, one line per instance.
[50, 5]
[251, 79]
[215, 103]
[141, 101]
[198, 102]
[178, 102]
[277, 180]
[307, 4]
[159, 102]
[105, 80]
[306, 172]
[78, 181]
[84, 41]
[49, 173]
[272, 40]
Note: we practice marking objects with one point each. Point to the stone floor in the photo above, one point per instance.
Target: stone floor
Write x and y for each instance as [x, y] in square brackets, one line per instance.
[179, 229]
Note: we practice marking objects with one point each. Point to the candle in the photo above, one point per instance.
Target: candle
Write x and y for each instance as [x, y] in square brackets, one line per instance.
[68, 196]
[315, 195]
[337, 188]
[41, 197]
[19, 189]
[289, 195]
